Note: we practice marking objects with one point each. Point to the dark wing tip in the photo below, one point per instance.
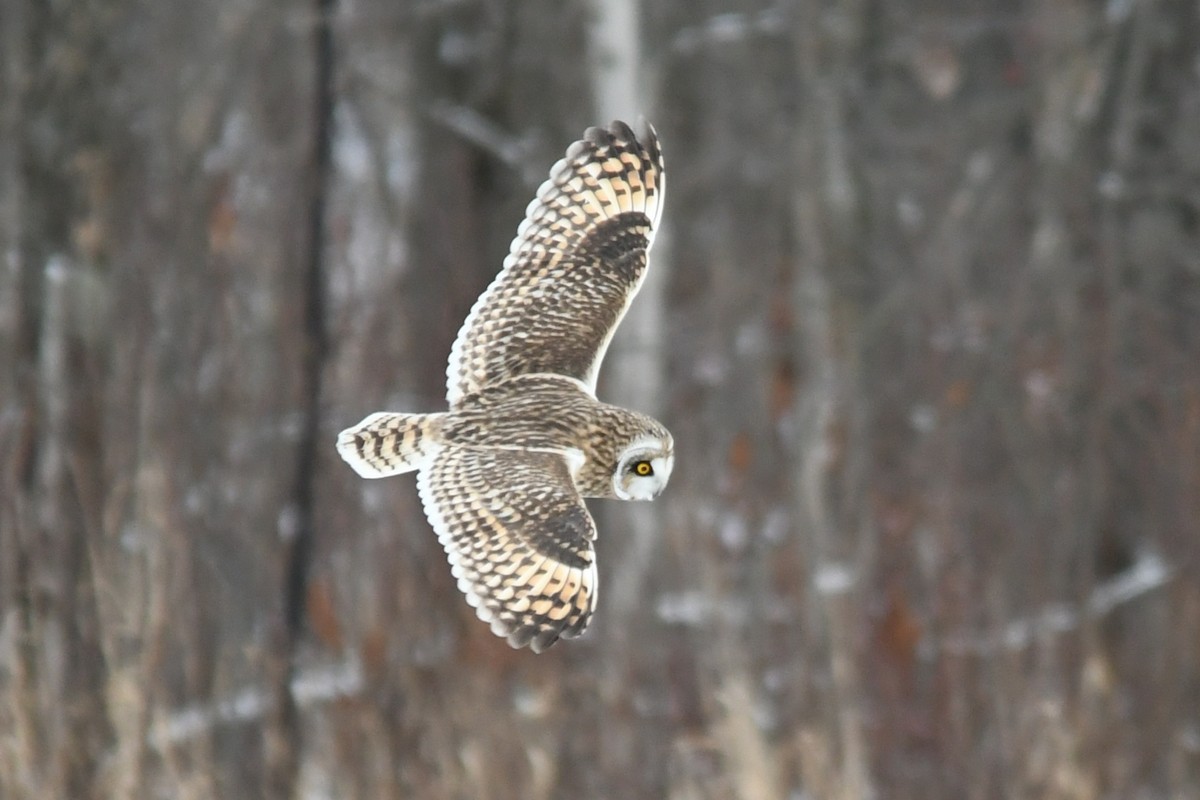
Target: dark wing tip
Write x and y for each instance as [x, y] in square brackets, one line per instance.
[542, 641]
[649, 140]
[519, 636]
[620, 133]
[535, 637]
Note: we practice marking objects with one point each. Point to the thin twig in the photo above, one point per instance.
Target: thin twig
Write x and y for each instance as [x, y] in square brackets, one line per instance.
[309, 688]
[1147, 574]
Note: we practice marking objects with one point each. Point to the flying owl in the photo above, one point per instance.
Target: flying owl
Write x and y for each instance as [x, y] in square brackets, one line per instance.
[502, 474]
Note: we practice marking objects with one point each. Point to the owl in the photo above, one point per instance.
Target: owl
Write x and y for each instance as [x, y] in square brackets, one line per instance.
[503, 472]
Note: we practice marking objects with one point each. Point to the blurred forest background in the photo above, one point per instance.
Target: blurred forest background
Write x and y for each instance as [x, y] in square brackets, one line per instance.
[924, 319]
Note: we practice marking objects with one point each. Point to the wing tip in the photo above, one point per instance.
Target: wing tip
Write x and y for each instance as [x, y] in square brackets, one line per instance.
[537, 638]
[621, 132]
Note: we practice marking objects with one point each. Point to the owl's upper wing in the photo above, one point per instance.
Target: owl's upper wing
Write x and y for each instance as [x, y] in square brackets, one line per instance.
[574, 267]
[518, 537]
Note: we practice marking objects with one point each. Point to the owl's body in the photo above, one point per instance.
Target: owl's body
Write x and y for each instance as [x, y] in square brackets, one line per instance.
[549, 412]
[502, 473]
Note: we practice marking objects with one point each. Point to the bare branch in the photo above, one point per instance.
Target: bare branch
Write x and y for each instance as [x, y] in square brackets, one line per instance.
[309, 688]
[482, 132]
[1147, 574]
[729, 28]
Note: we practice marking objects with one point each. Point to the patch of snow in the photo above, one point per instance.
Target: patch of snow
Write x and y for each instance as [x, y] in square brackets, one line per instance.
[288, 523]
[923, 418]
[834, 578]
[733, 532]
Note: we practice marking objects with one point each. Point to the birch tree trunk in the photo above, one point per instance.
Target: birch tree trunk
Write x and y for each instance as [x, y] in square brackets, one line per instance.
[634, 369]
[832, 297]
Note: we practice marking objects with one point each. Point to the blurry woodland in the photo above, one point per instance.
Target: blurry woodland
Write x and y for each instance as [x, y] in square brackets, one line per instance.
[924, 319]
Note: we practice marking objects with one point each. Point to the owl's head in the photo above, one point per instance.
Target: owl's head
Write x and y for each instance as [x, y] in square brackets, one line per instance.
[644, 467]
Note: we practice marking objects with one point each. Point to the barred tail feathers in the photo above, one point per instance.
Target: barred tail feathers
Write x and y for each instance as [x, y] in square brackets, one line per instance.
[386, 443]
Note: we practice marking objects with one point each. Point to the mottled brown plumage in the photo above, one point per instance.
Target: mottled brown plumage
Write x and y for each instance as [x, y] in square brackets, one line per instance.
[576, 263]
[549, 412]
[502, 475]
[518, 537]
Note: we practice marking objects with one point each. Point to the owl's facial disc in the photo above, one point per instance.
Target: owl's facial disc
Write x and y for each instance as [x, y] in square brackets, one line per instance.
[644, 469]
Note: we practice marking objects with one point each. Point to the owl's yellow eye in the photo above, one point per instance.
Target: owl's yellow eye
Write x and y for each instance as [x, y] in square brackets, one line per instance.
[643, 468]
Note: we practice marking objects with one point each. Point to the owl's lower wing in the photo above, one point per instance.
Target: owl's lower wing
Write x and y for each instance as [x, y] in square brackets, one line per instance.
[576, 263]
[518, 537]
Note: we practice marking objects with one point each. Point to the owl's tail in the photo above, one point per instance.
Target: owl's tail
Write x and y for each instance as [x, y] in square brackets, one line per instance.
[386, 444]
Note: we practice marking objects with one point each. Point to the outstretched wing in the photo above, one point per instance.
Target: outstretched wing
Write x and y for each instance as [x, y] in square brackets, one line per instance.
[578, 260]
[518, 537]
